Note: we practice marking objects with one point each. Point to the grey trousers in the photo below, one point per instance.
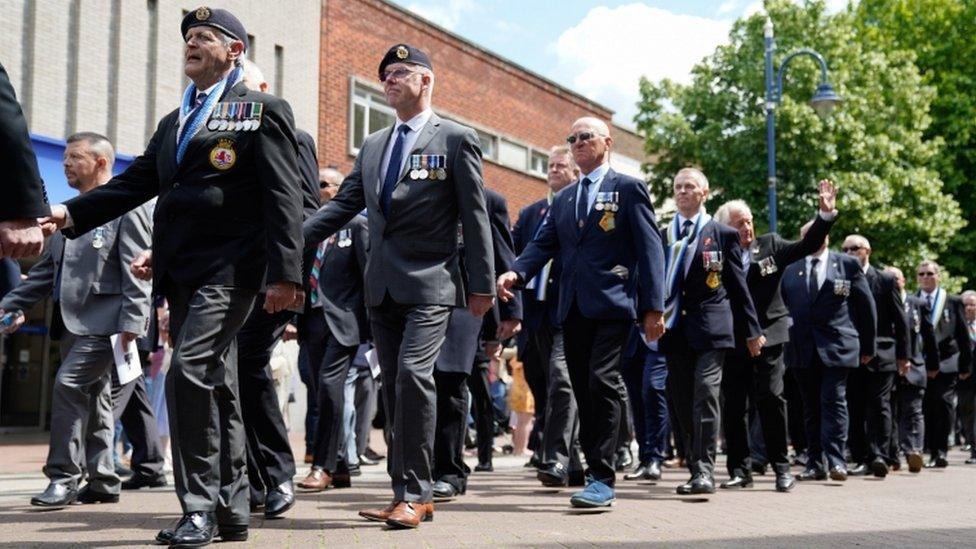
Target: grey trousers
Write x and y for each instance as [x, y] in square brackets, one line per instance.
[209, 456]
[82, 425]
[408, 339]
[695, 380]
[130, 404]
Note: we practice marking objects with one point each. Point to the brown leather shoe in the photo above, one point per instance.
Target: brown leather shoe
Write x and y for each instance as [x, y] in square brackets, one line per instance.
[317, 480]
[409, 514]
[379, 515]
[308, 458]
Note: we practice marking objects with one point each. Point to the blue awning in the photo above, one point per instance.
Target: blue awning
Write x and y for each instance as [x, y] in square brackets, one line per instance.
[50, 154]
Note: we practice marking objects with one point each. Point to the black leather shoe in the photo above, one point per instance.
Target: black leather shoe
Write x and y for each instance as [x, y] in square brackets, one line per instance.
[232, 533]
[55, 495]
[879, 468]
[365, 460]
[784, 482]
[354, 470]
[702, 484]
[623, 459]
[371, 454]
[87, 495]
[859, 470]
[812, 474]
[642, 472]
[484, 468]
[737, 482]
[553, 477]
[937, 462]
[758, 468]
[838, 473]
[971, 461]
[165, 536]
[685, 489]
[445, 491]
[279, 499]
[141, 481]
[654, 471]
[194, 530]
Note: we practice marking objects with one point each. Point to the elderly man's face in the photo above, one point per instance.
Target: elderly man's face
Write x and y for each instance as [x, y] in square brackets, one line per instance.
[742, 222]
[928, 277]
[403, 84]
[855, 248]
[589, 153]
[328, 187]
[688, 194]
[561, 172]
[900, 281]
[970, 302]
[206, 56]
[80, 164]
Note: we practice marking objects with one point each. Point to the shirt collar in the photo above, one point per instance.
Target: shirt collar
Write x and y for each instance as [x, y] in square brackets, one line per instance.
[931, 294]
[682, 219]
[209, 90]
[596, 175]
[822, 256]
[416, 123]
[865, 267]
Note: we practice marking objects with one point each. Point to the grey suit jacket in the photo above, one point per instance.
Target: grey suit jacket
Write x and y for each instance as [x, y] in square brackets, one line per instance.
[414, 253]
[98, 294]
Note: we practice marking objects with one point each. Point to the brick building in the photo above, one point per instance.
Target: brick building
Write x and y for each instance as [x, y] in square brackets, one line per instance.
[519, 115]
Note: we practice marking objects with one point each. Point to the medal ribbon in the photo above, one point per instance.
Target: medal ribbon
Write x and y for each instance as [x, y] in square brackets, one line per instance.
[190, 119]
[938, 305]
[674, 264]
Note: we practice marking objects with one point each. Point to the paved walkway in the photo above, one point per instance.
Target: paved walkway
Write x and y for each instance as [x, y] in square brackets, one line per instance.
[509, 508]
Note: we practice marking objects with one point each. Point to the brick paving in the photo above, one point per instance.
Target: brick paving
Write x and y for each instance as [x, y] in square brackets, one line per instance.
[508, 508]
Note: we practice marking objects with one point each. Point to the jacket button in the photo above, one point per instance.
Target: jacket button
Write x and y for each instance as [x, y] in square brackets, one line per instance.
[177, 184]
[683, 312]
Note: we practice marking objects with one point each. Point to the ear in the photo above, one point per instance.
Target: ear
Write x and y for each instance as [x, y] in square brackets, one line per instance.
[263, 87]
[236, 50]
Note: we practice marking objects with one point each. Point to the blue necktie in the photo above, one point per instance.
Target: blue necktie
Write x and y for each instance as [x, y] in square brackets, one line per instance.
[584, 201]
[393, 170]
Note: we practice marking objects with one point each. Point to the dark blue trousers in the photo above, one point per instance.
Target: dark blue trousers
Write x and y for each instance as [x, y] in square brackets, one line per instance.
[824, 391]
[645, 375]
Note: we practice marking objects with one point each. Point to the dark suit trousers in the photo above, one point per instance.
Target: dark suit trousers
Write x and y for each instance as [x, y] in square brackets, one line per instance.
[308, 376]
[966, 402]
[794, 413]
[758, 380]
[408, 339]
[270, 459]
[481, 407]
[695, 380]
[911, 420]
[824, 391]
[560, 438]
[330, 361]
[646, 378]
[869, 406]
[593, 349]
[207, 431]
[452, 415]
[130, 405]
[536, 371]
[938, 407]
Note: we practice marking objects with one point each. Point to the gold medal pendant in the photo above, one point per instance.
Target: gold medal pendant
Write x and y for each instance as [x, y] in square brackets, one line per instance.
[712, 280]
[608, 221]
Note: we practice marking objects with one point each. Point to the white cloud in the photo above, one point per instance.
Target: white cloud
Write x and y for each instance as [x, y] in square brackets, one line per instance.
[728, 6]
[604, 56]
[446, 13]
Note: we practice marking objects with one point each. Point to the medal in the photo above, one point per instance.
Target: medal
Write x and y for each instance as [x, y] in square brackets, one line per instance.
[433, 167]
[99, 238]
[414, 166]
[767, 266]
[213, 124]
[842, 288]
[345, 238]
[246, 125]
[608, 222]
[423, 173]
[712, 280]
[598, 206]
[256, 113]
[712, 261]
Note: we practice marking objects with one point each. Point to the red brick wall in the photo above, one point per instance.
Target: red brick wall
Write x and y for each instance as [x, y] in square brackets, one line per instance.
[470, 84]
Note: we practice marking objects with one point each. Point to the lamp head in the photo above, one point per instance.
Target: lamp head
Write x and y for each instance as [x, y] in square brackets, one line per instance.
[825, 99]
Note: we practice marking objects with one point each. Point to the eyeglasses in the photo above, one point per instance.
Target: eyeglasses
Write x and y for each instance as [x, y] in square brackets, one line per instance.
[581, 136]
[396, 74]
[926, 273]
[326, 185]
[849, 249]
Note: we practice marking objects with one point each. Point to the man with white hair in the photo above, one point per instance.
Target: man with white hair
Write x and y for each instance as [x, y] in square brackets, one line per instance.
[759, 380]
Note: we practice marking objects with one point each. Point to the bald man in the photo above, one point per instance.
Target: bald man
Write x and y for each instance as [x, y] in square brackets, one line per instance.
[604, 232]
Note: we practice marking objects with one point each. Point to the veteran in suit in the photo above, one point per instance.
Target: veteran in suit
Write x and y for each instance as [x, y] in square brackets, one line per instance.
[759, 379]
[947, 315]
[417, 179]
[96, 297]
[833, 331]
[227, 226]
[603, 230]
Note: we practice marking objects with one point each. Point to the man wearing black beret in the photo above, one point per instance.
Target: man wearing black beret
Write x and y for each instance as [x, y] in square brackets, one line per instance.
[228, 226]
[417, 179]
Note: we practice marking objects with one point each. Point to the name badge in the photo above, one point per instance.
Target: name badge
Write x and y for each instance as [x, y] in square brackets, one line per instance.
[713, 261]
[767, 266]
[842, 288]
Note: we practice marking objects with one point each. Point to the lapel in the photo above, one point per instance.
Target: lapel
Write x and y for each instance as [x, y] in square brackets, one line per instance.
[607, 184]
[426, 134]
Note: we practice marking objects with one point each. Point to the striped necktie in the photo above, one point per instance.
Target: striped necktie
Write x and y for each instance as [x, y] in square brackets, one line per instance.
[313, 278]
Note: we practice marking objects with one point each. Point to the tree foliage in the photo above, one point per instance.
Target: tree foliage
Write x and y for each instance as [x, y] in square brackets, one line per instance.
[874, 147]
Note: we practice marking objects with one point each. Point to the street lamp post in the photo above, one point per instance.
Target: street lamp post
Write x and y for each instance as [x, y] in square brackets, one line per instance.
[823, 101]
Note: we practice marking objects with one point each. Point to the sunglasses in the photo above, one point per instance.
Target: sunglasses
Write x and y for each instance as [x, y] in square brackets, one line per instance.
[581, 137]
[396, 74]
[849, 249]
[926, 273]
[326, 185]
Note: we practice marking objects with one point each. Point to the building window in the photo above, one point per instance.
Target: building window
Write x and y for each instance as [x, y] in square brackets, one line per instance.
[489, 145]
[370, 113]
[513, 155]
[539, 163]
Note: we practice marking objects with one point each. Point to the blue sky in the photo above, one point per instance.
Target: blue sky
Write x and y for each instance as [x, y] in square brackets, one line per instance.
[599, 49]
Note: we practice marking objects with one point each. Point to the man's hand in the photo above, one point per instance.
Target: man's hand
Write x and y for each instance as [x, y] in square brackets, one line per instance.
[828, 196]
[755, 345]
[903, 366]
[480, 304]
[291, 333]
[653, 325]
[508, 328]
[279, 296]
[127, 337]
[964, 376]
[56, 221]
[20, 238]
[866, 358]
[18, 321]
[931, 373]
[504, 286]
[142, 265]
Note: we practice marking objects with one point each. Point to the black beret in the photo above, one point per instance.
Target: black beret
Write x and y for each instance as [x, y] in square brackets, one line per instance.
[218, 19]
[404, 53]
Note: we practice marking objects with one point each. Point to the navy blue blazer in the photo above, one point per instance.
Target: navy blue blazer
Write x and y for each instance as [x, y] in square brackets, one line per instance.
[709, 316]
[612, 273]
[839, 328]
[536, 312]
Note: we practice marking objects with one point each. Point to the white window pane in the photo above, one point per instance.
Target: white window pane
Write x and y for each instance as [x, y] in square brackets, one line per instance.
[511, 154]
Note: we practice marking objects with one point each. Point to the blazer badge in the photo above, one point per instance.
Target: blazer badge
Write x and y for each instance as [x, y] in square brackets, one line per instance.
[223, 156]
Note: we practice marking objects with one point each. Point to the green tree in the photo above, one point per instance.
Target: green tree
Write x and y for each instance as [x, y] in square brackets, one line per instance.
[941, 35]
[873, 147]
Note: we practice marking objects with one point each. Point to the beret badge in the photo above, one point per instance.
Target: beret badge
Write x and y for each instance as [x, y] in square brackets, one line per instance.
[402, 53]
[203, 14]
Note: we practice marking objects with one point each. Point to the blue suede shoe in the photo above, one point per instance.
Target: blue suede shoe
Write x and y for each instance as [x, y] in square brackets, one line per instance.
[596, 494]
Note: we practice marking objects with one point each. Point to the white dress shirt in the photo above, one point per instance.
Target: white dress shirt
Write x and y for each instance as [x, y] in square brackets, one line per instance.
[416, 124]
[596, 178]
[821, 271]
